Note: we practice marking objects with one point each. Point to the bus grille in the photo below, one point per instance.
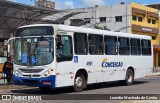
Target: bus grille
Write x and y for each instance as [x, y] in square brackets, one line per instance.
[32, 76]
[31, 70]
[33, 82]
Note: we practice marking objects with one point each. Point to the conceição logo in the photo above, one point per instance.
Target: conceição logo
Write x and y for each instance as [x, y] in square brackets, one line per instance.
[105, 63]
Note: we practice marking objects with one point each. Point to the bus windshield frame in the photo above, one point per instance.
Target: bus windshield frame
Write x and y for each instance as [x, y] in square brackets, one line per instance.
[34, 31]
[31, 42]
[34, 51]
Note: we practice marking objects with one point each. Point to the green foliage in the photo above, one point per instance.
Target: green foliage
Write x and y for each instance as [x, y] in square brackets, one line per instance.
[102, 28]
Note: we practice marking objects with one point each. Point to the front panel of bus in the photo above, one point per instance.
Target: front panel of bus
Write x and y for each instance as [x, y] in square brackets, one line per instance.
[34, 56]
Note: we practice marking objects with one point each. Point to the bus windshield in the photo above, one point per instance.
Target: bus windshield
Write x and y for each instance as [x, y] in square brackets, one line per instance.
[33, 51]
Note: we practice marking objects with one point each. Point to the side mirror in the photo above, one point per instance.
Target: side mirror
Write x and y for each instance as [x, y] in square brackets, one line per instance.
[59, 45]
[58, 42]
[58, 37]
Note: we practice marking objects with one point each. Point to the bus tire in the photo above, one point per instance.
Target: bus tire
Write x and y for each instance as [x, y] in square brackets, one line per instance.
[129, 77]
[79, 82]
[45, 89]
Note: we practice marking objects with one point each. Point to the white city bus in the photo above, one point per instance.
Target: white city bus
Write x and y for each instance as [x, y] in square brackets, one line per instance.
[49, 56]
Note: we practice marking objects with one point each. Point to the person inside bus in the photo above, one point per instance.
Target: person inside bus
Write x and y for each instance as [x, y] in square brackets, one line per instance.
[8, 69]
[59, 45]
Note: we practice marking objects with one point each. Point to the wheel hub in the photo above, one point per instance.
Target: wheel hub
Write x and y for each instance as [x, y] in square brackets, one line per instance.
[79, 82]
[129, 78]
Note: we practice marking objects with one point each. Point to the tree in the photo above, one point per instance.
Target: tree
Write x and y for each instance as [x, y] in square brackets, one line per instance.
[102, 28]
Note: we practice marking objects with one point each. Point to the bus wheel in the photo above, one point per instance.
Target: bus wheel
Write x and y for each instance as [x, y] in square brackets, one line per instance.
[45, 89]
[79, 83]
[129, 77]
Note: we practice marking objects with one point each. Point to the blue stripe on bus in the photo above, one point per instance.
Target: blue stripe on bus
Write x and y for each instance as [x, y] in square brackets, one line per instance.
[36, 82]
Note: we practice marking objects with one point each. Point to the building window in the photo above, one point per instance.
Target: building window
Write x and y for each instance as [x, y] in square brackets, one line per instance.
[135, 47]
[153, 21]
[149, 21]
[102, 19]
[124, 48]
[80, 43]
[62, 23]
[111, 46]
[153, 37]
[95, 44]
[140, 18]
[134, 17]
[118, 18]
[87, 20]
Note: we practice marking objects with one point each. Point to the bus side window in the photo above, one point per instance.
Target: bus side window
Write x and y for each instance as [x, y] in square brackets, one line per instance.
[124, 46]
[135, 46]
[64, 46]
[111, 45]
[95, 44]
[146, 47]
[80, 44]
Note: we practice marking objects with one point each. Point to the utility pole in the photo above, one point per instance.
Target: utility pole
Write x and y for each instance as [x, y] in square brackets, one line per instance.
[126, 18]
[96, 13]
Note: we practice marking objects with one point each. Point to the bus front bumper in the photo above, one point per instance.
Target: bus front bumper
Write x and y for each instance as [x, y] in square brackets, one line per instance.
[36, 82]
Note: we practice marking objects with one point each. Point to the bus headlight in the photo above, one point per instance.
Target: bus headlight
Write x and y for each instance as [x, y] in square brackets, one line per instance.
[18, 72]
[48, 73]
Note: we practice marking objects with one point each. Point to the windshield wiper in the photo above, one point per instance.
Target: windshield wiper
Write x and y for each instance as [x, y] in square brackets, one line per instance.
[35, 49]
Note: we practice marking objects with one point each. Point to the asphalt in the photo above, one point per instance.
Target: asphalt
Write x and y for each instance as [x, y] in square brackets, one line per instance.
[5, 86]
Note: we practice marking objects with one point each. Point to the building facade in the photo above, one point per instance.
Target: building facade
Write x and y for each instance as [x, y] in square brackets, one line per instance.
[45, 4]
[116, 18]
[157, 6]
[130, 18]
[145, 21]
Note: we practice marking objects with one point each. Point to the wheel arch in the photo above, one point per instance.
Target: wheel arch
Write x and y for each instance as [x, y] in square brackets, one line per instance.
[83, 71]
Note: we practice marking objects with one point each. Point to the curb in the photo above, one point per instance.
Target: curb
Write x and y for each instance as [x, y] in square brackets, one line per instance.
[25, 87]
[9, 89]
[154, 74]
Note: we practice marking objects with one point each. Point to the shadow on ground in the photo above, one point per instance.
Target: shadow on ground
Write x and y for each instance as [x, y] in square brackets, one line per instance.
[66, 90]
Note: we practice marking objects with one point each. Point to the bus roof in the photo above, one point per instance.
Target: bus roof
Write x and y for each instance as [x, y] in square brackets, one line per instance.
[91, 31]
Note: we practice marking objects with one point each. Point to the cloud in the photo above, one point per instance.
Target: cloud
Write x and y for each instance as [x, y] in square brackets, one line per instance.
[66, 4]
[93, 2]
[69, 4]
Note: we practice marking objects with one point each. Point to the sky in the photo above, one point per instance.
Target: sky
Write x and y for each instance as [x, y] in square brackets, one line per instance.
[70, 4]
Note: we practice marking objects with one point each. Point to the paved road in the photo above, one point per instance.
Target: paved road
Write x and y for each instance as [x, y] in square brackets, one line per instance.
[147, 85]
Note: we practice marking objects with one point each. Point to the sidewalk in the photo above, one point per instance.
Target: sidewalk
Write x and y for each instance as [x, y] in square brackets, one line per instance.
[156, 72]
[5, 86]
[2, 81]
[157, 69]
